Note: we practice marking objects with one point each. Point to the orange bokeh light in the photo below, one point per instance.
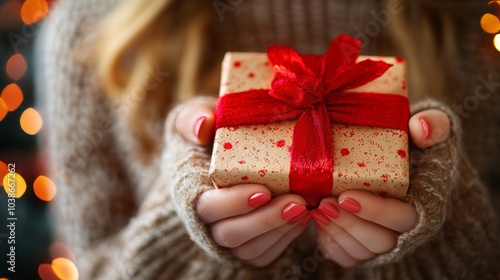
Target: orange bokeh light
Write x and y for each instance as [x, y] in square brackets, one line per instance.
[16, 66]
[17, 183]
[44, 188]
[31, 121]
[490, 23]
[34, 10]
[3, 109]
[65, 269]
[4, 169]
[46, 272]
[60, 250]
[12, 96]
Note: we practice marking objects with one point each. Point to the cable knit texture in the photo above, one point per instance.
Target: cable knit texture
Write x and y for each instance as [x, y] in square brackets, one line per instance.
[126, 220]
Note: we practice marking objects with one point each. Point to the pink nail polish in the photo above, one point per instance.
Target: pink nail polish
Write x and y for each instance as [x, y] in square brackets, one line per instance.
[318, 216]
[257, 199]
[306, 220]
[292, 210]
[330, 209]
[426, 127]
[197, 126]
[319, 226]
[350, 205]
[298, 218]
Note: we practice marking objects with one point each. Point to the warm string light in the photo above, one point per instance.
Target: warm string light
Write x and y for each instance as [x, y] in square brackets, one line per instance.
[11, 98]
[62, 266]
[33, 11]
[490, 23]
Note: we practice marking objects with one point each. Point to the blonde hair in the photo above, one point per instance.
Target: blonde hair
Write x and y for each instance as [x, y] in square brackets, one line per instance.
[143, 36]
[175, 36]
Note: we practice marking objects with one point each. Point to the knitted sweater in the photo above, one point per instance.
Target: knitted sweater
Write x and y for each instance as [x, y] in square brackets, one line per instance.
[127, 220]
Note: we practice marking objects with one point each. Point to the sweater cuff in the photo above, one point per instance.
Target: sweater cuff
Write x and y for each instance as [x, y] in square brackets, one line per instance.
[433, 173]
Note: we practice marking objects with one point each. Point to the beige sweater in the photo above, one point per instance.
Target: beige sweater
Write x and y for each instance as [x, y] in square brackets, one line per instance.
[125, 220]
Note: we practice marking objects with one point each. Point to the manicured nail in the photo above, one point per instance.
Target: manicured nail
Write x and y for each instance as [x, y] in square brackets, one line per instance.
[320, 217]
[426, 127]
[298, 218]
[306, 220]
[197, 126]
[292, 210]
[318, 225]
[330, 209]
[350, 205]
[257, 199]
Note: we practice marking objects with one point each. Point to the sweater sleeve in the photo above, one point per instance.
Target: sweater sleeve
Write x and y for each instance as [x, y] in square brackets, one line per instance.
[456, 223]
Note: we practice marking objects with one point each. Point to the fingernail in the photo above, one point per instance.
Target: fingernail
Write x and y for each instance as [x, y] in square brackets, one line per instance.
[292, 210]
[197, 126]
[350, 205]
[318, 225]
[426, 127]
[298, 218]
[306, 220]
[330, 209]
[257, 199]
[320, 217]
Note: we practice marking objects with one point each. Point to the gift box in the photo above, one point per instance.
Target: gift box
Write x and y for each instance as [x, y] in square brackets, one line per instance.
[313, 125]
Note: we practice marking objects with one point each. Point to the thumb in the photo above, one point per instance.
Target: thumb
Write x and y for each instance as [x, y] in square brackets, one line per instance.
[429, 127]
[196, 123]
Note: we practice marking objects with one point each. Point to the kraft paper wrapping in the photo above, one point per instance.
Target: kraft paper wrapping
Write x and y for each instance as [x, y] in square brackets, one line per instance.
[365, 158]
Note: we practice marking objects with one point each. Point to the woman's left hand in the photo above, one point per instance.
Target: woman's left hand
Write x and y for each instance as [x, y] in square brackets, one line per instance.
[359, 225]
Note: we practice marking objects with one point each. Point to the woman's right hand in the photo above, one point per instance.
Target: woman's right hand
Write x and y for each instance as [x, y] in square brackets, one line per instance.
[256, 228]
[244, 218]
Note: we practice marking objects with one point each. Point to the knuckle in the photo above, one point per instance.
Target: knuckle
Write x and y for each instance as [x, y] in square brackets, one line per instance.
[246, 253]
[203, 210]
[383, 244]
[225, 237]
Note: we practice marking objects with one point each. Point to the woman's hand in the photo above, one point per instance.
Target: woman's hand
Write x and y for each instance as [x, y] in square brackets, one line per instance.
[359, 225]
[243, 218]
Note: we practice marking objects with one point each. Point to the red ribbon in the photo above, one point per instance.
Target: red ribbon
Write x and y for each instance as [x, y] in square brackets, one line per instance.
[311, 90]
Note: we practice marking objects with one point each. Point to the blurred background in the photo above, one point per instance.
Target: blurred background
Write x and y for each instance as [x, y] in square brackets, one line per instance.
[38, 252]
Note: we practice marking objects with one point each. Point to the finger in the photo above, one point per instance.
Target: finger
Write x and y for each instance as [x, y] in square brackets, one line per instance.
[277, 248]
[233, 232]
[218, 204]
[385, 211]
[429, 127]
[196, 123]
[350, 244]
[376, 238]
[331, 250]
[252, 249]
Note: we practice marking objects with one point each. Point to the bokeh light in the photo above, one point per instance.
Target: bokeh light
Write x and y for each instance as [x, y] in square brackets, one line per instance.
[65, 269]
[44, 188]
[34, 10]
[46, 272]
[10, 14]
[61, 250]
[3, 109]
[4, 169]
[496, 42]
[16, 67]
[490, 23]
[12, 96]
[19, 184]
[31, 121]
[4, 279]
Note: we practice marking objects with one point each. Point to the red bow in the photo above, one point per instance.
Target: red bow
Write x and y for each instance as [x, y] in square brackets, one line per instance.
[311, 90]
